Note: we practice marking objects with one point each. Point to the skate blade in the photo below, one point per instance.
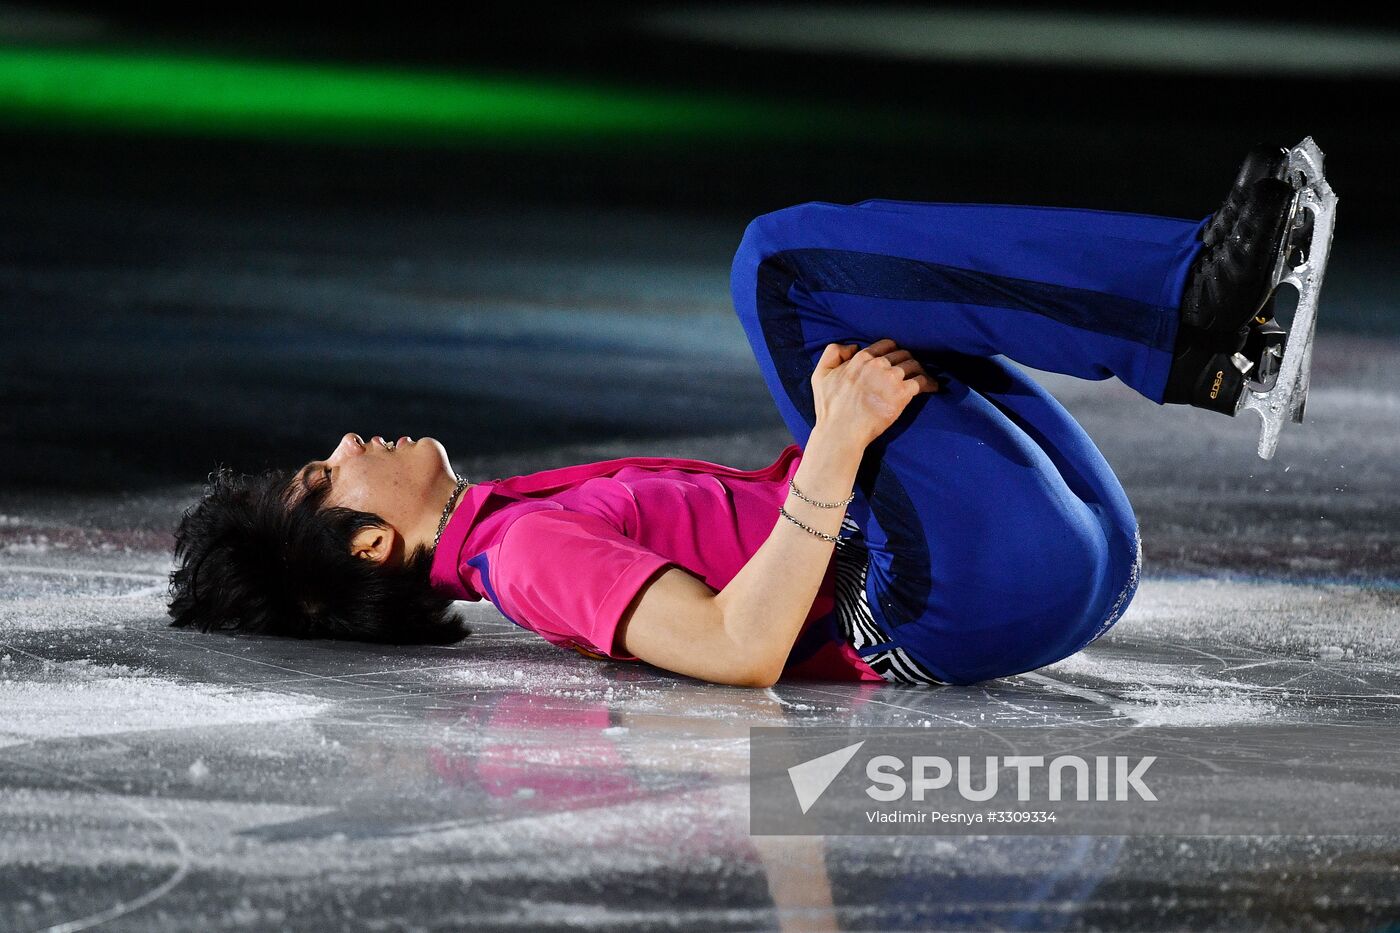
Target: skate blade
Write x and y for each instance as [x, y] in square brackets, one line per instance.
[1266, 364]
[1314, 214]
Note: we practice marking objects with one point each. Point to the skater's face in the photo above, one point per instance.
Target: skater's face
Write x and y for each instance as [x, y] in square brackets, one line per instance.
[405, 483]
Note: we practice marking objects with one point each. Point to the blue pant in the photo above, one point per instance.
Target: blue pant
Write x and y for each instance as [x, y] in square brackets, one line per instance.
[1000, 539]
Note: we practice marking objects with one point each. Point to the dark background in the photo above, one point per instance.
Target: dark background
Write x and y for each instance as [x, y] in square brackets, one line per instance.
[171, 301]
[1132, 139]
[120, 372]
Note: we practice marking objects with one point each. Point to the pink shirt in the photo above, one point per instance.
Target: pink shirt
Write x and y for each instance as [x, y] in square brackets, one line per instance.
[563, 552]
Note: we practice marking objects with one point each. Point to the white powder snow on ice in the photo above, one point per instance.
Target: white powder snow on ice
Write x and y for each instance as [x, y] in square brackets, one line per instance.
[79, 698]
[1153, 694]
[130, 602]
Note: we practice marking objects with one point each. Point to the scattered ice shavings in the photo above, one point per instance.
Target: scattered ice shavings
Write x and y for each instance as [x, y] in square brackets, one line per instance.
[70, 699]
[34, 544]
[1153, 694]
[1168, 708]
[1290, 619]
[60, 611]
[86, 669]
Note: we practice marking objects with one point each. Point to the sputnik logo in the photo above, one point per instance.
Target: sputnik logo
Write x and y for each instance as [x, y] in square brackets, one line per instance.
[811, 778]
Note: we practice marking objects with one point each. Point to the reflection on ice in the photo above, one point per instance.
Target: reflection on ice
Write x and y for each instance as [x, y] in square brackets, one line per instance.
[506, 783]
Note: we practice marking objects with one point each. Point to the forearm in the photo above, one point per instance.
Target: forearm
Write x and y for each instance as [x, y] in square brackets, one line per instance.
[765, 604]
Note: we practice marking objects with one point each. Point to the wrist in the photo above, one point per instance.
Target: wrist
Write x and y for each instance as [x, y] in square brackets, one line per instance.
[834, 445]
[826, 475]
[831, 533]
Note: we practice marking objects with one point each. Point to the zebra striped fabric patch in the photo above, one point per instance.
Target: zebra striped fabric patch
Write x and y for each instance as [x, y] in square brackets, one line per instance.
[856, 620]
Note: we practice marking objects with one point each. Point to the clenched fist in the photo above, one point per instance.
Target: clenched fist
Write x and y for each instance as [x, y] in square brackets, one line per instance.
[860, 393]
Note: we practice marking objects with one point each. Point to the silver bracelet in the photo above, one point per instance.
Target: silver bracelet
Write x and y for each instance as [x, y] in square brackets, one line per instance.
[822, 505]
[819, 534]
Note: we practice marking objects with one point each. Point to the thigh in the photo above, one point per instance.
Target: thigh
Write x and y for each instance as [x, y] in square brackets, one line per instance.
[997, 532]
[1013, 544]
[999, 536]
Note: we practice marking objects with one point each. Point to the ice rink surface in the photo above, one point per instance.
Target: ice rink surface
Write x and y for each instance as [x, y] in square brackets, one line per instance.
[154, 779]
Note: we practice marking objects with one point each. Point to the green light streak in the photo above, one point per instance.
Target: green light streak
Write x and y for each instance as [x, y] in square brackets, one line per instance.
[168, 92]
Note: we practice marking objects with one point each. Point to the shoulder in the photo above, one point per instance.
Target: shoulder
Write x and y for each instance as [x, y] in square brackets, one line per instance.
[543, 526]
[571, 549]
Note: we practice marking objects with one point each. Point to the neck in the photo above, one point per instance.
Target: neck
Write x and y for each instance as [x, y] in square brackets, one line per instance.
[452, 500]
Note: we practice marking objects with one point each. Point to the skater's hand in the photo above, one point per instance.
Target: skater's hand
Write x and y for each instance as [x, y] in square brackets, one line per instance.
[859, 393]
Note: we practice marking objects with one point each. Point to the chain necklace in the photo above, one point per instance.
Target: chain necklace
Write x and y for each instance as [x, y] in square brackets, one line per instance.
[447, 510]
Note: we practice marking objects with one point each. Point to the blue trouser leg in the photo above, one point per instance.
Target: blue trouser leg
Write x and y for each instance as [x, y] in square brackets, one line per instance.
[1000, 539]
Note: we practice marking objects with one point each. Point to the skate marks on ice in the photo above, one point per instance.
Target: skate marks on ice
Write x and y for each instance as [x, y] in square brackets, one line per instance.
[506, 784]
[56, 698]
[170, 780]
[1208, 653]
[1189, 652]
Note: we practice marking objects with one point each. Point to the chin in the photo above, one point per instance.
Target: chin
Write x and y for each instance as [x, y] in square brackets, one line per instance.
[442, 453]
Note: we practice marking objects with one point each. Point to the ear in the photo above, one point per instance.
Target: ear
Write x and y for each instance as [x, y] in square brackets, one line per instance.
[374, 544]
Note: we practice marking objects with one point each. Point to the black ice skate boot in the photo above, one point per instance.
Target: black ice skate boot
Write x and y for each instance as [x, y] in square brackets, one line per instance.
[1227, 327]
[1262, 161]
[1232, 278]
[1204, 377]
[1266, 340]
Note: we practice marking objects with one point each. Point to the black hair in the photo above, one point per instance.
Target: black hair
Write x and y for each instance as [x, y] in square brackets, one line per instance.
[256, 554]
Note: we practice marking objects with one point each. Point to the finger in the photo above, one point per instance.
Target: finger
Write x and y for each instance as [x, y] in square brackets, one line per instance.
[844, 352]
[877, 349]
[924, 383]
[908, 367]
[831, 356]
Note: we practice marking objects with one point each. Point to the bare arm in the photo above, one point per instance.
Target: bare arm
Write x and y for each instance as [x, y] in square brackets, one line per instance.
[742, 634]
[765, 604]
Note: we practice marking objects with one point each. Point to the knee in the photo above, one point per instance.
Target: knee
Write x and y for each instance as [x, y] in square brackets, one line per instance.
[764, 236]
[786, 228]
[748, 255]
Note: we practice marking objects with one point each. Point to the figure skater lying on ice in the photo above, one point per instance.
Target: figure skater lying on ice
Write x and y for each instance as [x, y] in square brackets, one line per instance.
[940, 517]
